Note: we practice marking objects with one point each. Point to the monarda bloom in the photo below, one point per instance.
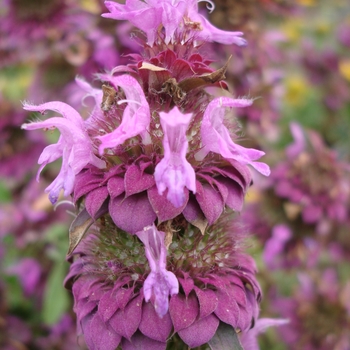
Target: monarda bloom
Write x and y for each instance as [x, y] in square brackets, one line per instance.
[156, 173]
[32, 24]
[313, 180]
[318, 312]
[124, 298]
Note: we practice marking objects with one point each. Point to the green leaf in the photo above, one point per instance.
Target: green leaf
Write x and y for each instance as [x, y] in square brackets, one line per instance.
[14, 295]
[5, 193]
[78, 229]
[225, 338]
[14, 82]
[80, 226]
[56, 299]
[56, 236]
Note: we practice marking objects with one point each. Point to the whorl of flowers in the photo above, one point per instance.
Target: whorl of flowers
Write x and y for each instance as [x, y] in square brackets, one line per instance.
[157, 168]
[173, 16]
[210, 281]
[316, 308]
[313, 179]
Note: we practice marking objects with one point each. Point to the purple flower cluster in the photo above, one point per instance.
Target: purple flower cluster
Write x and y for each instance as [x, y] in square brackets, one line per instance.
[47, 30]
[118, 303]
[304, 209]
[305, 178]
[156, 172]
[309, 312]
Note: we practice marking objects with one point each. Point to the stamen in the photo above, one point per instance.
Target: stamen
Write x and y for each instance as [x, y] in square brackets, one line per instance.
[129, 101]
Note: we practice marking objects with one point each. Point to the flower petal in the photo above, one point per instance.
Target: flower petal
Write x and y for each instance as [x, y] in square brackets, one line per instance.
[141, 342]
[208, 301]
[174, 172]
[164, 209]
[102, 337]
[136, 116]
[160, 283]
[136, 180]
[74, 146]
[210, 201]
[216, 137]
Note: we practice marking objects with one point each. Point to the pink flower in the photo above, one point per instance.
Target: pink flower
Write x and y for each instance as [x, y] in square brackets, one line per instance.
[306, 176]
[96, 94]
[174, 172]
[136, 116]
[216, 137]
[275, 245]
[249, 339]
[74, 146]
[298, 146]
[159, 282]
[142, 15]
[175, 16]
[207, 31]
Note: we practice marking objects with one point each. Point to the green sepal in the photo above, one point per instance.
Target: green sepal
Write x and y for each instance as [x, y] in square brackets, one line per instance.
[225, 338]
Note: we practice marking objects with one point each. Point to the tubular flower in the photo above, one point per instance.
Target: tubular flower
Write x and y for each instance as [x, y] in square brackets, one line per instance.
[96, 94]
[74, 146]
[216, 137]
[159, 282]
[174, 171]
[249, 340]
[136, 116]
[175, 16]
[208, 32]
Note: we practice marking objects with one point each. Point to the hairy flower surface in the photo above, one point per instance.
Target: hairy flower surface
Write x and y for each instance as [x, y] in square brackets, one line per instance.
[74, 146]
[136, 116]
[159, 282]
[216, 137]
[177, 16]
[174, 172]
